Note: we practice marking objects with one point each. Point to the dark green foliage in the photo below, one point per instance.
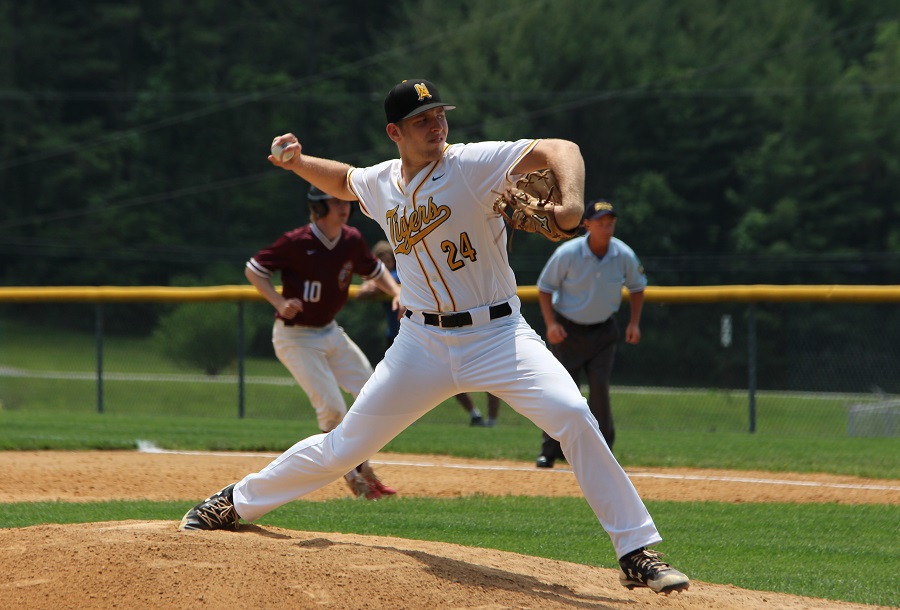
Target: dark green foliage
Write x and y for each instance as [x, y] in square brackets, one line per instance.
[743, 142]
[199, 335]
[134, 135]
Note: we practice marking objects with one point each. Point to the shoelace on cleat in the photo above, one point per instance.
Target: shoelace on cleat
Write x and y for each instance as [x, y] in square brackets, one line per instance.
[217, 513]
[648, 561]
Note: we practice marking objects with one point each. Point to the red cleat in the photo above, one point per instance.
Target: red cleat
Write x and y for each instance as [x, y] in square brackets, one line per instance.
[362, 489]
[374, 482]
[385, 490]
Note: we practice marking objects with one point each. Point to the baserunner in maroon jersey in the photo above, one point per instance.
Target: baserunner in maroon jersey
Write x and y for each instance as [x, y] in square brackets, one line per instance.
[316, 263]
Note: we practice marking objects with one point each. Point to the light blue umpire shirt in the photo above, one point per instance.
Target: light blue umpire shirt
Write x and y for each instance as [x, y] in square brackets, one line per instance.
[587, 289]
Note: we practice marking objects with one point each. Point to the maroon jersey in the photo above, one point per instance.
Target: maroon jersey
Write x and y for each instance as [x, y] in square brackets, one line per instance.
[316, 272]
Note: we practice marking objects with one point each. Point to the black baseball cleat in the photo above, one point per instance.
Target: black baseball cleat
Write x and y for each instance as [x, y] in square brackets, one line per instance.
[214, 513]
[645, 568]
[544, 462]
[477, 421]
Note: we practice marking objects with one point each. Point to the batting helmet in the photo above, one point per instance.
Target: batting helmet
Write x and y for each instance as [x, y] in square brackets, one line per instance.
[316, 199]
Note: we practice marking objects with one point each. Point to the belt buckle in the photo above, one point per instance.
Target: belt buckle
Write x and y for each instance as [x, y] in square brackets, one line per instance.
[440, 321]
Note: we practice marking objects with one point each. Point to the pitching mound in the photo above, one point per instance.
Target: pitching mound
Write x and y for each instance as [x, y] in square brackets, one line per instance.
[148, 564]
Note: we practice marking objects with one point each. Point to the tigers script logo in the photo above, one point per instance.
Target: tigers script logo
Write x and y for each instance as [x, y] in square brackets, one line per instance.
[407, 231]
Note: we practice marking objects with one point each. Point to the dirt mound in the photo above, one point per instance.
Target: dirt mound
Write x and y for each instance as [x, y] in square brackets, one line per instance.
[148, 564]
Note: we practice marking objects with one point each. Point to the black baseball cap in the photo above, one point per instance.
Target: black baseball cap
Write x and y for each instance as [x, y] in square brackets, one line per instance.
[412, 97]
[598, 208]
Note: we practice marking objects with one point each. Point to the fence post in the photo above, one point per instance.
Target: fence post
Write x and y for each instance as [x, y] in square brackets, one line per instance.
[751, 364]
[240, 359]
[98, 330]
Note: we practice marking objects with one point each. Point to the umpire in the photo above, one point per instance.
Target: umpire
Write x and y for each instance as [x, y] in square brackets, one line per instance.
[580, 290]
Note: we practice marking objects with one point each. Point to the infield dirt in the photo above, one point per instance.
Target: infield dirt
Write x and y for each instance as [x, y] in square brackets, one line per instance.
[141, 564]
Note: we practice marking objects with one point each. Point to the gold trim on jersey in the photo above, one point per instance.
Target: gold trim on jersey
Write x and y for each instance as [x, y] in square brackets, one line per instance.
[425, 275]
[527, 150]
[424, 181]
[362, 206]
[414, 228]
[443, 281]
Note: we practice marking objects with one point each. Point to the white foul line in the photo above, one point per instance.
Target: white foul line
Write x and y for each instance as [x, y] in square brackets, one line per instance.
[691, 477]
[149, 447]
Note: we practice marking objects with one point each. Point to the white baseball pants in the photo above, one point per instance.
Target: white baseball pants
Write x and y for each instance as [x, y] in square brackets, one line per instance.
[426, 366]
[322, 361]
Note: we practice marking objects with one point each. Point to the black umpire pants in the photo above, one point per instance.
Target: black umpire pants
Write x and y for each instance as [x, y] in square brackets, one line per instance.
[588, 349]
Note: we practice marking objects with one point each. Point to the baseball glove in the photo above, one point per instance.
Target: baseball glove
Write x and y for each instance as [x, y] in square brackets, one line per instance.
[528, 206]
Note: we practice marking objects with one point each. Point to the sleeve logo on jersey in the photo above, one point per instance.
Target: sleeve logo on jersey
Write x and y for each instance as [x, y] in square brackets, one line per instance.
[407, 231]
[345, 275]
[422, 90]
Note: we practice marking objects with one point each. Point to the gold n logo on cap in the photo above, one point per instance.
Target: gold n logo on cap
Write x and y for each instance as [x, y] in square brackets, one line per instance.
[422, 90]
[602, 205]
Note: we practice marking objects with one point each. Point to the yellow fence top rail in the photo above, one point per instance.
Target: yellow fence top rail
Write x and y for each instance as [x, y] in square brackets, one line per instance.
[122, 294]
[653, 294]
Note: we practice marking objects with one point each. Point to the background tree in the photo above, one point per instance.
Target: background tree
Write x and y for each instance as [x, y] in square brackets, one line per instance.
[742, 142]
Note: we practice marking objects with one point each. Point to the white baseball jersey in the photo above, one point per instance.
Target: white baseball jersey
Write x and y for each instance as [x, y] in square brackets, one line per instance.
[449, 243]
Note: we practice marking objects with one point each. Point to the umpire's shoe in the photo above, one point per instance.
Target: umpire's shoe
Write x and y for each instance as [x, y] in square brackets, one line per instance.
[645, 568]
[214, 513]
[544, 461]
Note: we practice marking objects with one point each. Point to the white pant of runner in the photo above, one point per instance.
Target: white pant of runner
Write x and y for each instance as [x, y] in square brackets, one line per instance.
[322, 361]
[427, 365]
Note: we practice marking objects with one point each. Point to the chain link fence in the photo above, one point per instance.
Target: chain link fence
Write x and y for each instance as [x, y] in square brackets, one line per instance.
[708, 361]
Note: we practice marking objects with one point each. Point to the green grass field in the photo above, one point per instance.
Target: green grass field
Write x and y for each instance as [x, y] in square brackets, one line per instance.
[445, 431]
[831, 551]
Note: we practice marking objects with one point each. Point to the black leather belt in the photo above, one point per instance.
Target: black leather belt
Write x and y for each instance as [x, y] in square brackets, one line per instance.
[567, 322]
[462, 318]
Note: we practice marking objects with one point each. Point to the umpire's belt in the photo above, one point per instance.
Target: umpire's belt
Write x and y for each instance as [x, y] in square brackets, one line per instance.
[577, 325]
[462, 318]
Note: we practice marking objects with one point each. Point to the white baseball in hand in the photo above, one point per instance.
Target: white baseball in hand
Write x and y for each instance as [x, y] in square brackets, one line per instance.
[280, 155]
